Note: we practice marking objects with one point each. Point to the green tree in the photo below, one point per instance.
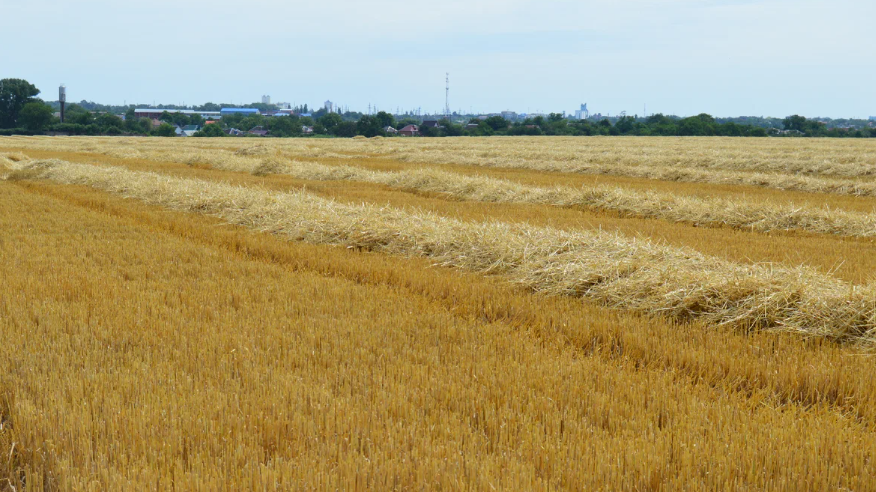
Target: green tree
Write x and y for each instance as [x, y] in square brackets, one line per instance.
[233, 120]
[77, 115]
[369, 126]
[625, 125]
[385, 119]
[284, 126]
[700, 125]
[165, 130]
[795, 122]
[331, 121]
[251, 122]
[758, 132]
[801, 124]
[449, 129]
[212, 130]
[657, 119]
[14, 95]
[209, 107]
[346, 129]
[35, 116]
[145, 125]
[497, 123]
[108, 121]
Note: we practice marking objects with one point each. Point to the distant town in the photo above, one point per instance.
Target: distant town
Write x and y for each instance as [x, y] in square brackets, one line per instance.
[30, 115]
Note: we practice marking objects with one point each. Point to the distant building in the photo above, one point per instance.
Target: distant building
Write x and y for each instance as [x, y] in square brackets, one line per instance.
[307, 130]
[430, 124]
[189, 130]
[243, 111]
[409, 131]
[583, 113]
[266, 99]
[329, 107]
[283, 105]
[873, 118]
[155, 113]
[259, 131]
[390, 130]
[472, 126]
[509, 115]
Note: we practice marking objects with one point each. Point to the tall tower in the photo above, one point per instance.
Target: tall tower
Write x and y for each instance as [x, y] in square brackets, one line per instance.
[62, 98]
[447, 97]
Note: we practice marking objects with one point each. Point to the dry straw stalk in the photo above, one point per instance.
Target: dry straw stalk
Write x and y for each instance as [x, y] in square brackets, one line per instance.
[711, 212]
[616, 271]
[715, 212]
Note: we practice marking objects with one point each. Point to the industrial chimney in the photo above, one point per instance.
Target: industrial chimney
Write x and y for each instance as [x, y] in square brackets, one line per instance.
[62, 98]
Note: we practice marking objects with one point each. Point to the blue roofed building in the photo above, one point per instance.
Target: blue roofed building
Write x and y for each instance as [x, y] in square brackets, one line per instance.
[243, 111]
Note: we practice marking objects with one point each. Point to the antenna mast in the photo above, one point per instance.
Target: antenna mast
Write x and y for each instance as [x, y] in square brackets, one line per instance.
[447, 98]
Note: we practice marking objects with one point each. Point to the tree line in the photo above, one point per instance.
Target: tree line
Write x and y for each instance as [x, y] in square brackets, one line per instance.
[22, 112]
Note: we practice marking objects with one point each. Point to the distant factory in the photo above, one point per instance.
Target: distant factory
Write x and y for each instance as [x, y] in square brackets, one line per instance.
[155, 113]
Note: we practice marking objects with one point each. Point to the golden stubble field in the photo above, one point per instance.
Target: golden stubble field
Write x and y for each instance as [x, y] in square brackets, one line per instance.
[503, 313]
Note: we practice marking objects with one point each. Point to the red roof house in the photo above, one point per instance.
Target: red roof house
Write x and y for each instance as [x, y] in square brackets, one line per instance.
[409, 131]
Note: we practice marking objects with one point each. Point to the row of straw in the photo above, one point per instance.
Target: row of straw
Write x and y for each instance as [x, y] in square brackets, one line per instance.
[521, 154]
[613, 270]
[847, 158]
[822, 157]
[712, 212]
[715, 212]
[682, 173]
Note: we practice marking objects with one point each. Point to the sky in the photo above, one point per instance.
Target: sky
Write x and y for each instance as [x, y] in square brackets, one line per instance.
[683, 57]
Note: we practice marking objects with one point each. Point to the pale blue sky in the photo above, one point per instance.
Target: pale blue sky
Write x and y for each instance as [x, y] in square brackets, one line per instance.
[724, 57]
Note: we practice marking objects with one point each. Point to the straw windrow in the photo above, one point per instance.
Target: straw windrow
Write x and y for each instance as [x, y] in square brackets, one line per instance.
[682, 173]
[716, 212]
[613, 270]
[709, 212]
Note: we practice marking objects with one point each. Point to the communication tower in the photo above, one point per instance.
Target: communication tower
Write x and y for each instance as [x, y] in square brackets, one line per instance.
[447, 97]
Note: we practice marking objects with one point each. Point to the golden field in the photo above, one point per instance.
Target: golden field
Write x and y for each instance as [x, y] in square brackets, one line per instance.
[397, 314]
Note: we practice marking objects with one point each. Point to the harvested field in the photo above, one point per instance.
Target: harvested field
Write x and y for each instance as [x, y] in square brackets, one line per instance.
[223, 314]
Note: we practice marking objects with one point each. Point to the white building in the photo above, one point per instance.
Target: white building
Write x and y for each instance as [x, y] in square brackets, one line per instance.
[266, 99]
[154, 113]
[283, 105]
[329, 106]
